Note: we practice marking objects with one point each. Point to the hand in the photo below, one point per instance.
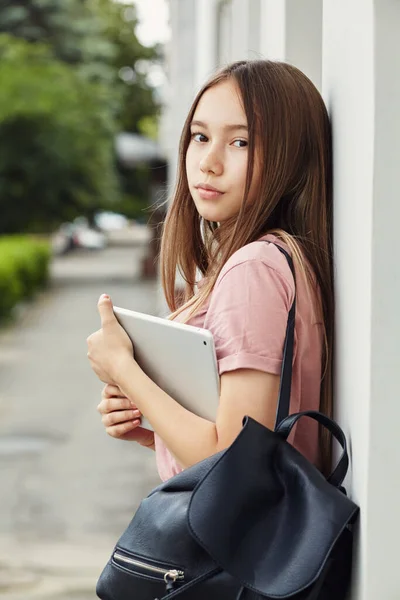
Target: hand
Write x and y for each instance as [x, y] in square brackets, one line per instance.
[121, 417]
[109, 347]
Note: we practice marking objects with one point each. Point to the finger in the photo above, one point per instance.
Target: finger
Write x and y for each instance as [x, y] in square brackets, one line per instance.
[105, 309]
[118, 431]
[120, 416]
[111, 391]
[108, 405]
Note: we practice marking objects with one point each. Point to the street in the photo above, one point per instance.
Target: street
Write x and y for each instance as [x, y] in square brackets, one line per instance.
[67, 489]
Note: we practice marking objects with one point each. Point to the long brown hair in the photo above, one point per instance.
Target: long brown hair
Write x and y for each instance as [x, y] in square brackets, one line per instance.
[289, 129]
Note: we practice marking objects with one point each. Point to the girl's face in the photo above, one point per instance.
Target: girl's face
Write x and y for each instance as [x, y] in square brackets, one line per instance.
[216, 159]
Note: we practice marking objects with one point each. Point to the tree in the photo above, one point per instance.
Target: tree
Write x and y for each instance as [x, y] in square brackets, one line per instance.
[96, 36]
[56, 156]
[138, 109]
[72, 74]
[131, 61]
[69, 27]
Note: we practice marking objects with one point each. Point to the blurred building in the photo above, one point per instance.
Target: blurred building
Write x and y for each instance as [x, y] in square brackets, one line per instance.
[351, 51]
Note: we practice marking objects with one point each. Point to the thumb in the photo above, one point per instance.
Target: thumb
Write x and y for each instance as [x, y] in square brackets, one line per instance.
[105, 309]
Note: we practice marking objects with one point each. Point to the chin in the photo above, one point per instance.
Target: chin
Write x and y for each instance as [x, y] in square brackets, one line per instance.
[209, 215]
[214, 210]
[212, 213]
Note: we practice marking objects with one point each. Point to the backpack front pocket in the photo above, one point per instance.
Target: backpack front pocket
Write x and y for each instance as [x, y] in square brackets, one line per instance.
[169, 575]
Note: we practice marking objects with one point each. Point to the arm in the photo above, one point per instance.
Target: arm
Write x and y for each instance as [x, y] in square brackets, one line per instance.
[191, 438]
[249, 343]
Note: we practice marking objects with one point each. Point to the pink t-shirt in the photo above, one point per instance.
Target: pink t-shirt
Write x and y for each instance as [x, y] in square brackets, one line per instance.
[247, 314]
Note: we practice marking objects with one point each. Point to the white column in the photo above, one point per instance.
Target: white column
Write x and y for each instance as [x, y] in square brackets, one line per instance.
[254, 28]
[224, 32]
[181, 90]
[272, 29]
[291, 31]
[181, 76]
[382, 534]
[347, 78]
[361, 58]
[206, 39]
[304, 37]
[239, 30]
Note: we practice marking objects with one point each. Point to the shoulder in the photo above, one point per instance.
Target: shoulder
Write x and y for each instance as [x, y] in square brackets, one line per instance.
[249, 307]
[259, 258]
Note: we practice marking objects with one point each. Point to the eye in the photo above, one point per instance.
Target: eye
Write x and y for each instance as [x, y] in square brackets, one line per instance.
[242, 143]
[199, 137]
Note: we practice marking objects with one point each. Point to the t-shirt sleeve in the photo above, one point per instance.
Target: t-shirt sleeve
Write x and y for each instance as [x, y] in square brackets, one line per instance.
[247, 316]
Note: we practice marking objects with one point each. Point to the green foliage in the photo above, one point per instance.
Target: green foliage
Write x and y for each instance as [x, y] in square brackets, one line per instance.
[64, 94]
[10, 289]
[98, 37]
[56, 156]
[135, 185]
[134, 207]
[131, 60]
[71, 28]
[148, 126]
[24, 268]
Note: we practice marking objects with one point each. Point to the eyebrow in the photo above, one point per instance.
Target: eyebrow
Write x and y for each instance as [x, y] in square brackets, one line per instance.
[232, 127]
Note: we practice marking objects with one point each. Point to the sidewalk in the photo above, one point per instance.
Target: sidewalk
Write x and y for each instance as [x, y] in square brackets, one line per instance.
[68, 490]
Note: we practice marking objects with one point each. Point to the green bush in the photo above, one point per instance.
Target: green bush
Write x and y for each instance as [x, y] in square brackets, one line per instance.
[24, 268]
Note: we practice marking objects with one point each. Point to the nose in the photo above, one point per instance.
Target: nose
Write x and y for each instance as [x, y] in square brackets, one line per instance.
[211, 163]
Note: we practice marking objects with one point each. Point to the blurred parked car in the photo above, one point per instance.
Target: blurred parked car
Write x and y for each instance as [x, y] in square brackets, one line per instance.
[90, 239]
[111, 221]
[63, 239]
[78, 234]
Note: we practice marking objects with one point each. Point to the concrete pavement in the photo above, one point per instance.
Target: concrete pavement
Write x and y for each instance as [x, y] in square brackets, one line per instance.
[67, 489]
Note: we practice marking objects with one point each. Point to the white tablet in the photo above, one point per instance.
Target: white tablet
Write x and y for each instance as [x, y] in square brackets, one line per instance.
[179, 358]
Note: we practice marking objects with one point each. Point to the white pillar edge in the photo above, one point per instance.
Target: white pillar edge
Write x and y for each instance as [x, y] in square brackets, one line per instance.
[206, 40]
[348, 89]
[382, 534]
[273, 30]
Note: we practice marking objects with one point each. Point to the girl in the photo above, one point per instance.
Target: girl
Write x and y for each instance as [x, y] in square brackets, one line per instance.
[254, 171]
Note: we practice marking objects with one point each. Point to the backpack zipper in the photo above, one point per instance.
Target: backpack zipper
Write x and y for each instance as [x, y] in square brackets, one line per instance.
[168, 574]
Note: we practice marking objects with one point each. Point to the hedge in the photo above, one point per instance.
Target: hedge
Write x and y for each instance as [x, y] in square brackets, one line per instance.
[24, 268]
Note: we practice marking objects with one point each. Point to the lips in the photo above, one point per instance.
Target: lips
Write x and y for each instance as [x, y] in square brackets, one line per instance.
[207, 186]
[207, 191]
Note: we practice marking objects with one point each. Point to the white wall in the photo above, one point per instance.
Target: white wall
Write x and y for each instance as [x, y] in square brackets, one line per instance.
[206, 39]
[348, 90]
[361, 55]
[291, 30]
[304, 37]
[382, 534]
[254, 29]
[272, 26]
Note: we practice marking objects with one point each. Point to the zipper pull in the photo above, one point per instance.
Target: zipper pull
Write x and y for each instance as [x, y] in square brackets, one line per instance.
[170, 577]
